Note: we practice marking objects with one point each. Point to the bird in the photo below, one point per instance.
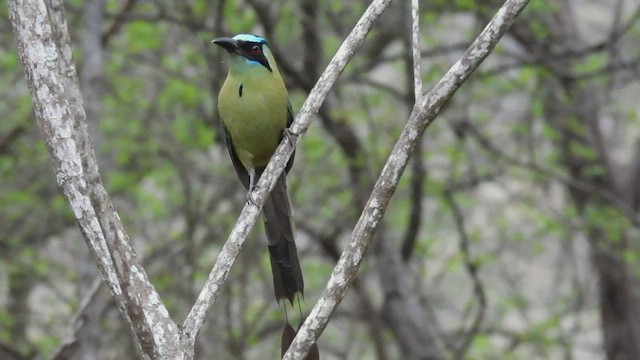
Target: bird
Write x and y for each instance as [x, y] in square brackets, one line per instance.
[254, 107]
[256, 113]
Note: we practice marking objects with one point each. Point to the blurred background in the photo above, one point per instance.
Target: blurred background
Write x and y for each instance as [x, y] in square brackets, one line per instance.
[514, 233]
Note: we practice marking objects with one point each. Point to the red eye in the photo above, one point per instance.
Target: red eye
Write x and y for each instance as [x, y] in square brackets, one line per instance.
[255, 49]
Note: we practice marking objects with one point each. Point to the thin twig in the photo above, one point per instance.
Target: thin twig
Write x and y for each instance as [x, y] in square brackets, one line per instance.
[472, 268]
[77, 322]
[415, 37]
[414, 91]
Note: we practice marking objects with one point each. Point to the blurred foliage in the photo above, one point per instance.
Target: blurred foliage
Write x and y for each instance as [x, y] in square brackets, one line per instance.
[163, 160]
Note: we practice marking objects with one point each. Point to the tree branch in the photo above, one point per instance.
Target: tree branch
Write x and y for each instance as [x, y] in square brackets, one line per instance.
[422, 115]
[412, 68]
[52, 81]
[472, 268]
[77, 323]
[415, 45]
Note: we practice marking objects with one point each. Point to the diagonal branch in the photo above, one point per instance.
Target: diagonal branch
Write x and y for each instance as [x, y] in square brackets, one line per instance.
[424, 112]
[249, 214]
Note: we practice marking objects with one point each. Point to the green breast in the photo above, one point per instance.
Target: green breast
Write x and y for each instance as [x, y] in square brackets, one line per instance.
[254, 112]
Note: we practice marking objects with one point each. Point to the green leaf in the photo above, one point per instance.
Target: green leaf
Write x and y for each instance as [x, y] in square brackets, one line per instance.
[144, 36]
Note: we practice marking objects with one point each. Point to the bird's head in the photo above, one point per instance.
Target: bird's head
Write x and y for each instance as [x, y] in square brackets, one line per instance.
[247, 50]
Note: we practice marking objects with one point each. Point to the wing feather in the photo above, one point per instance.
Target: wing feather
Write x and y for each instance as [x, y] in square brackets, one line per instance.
[242, 173]
[290, 117]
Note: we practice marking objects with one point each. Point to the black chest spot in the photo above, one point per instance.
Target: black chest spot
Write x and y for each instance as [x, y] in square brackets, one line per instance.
[240, 88]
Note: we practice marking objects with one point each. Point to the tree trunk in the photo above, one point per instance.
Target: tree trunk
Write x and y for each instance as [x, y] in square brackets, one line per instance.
[577, 120]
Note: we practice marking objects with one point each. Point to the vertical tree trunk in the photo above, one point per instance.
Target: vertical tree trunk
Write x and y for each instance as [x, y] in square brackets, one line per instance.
[572, 110]
[90, 77]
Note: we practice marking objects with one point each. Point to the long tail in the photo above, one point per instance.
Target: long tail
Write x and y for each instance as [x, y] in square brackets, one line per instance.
[287, 275]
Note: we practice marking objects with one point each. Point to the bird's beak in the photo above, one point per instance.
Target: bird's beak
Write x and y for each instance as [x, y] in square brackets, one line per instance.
[228, 44]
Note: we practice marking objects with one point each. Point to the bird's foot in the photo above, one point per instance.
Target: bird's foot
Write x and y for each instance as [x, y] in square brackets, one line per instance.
[291, 137]
[250, 195]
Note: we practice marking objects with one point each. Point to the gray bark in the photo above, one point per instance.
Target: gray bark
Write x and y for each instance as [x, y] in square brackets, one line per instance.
[425, 110]
[60, 114]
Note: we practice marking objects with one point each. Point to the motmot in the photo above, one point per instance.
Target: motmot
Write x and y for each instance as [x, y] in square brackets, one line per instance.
[255, 111]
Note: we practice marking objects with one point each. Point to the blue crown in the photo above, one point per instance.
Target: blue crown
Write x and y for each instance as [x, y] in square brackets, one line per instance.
[250, 38]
